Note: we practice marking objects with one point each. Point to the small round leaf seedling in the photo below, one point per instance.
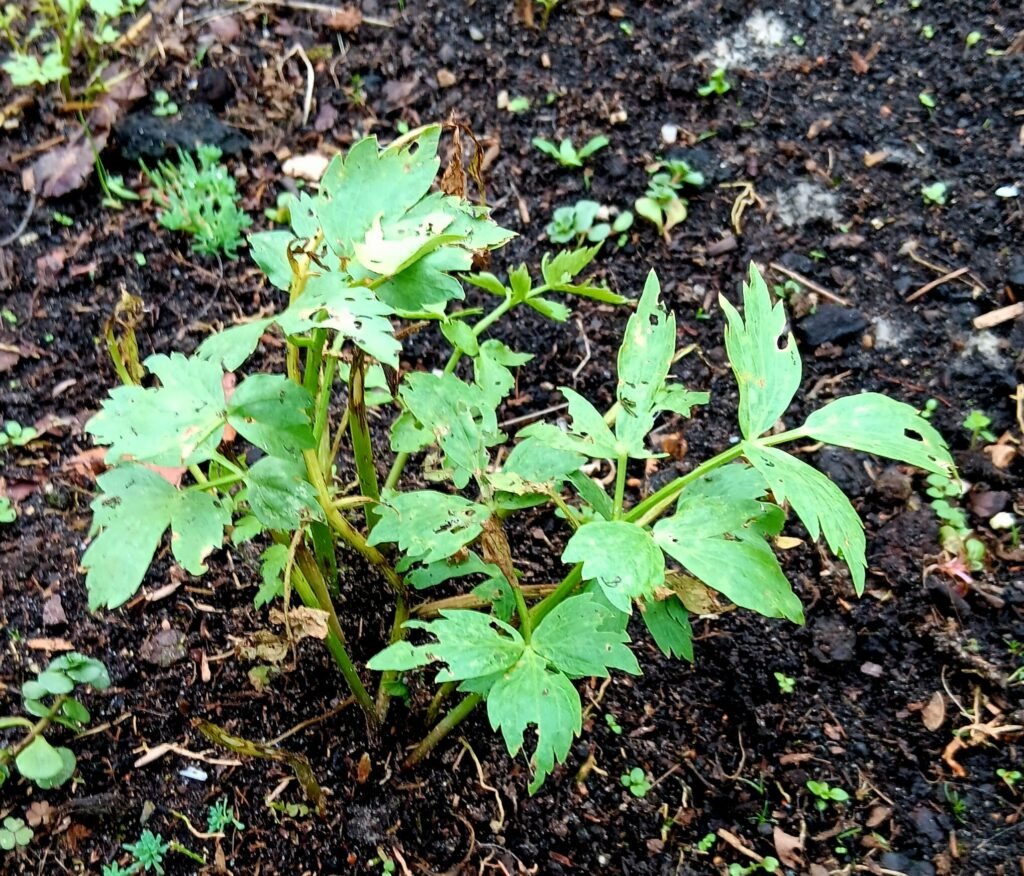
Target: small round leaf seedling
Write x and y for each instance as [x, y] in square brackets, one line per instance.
[636, 781]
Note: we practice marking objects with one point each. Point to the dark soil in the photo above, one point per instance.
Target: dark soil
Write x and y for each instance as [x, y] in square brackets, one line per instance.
[727, 750]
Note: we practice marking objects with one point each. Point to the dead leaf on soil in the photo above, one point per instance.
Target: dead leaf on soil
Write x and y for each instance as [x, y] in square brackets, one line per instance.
[934, 712]
[303, 622]
[345, 19]
[310, 166]
[87, 464]
[9, 357]
[64, 169]
[877, 815]
[263, 646]
[697, 598]
[787, 848]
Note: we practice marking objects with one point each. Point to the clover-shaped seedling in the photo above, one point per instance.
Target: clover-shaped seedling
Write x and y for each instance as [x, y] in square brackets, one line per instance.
[637, 782]
[14, 834]
[826, 794]
[14, 434]
[566, 154]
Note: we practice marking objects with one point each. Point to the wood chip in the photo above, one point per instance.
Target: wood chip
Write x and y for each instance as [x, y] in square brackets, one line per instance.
[49, 644]
[997, 317]
[874, 158]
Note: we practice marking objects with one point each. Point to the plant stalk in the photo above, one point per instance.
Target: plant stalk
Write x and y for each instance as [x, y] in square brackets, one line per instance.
[359, 433]
[445, 726]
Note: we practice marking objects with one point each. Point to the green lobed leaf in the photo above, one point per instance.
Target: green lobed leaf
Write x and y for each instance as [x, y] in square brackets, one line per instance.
[581, 637]
[458, 414]
[273, 562]
[536, 462]
[875, 423]
[82, 669]
[272, 412]
[590, 434]
[445, 570]
[269, 249]
[763, 355]
[231, 347]
[177, 423]
[134, 508]
[722, 542]
[559, 271]
[820, 504]
[491, 363]
[428, 526]
[668, 622]
[67, 770]
[369, 184]
[621, 557]
[553, 310]
[331, 301]
[645, 357]
[460, 335]
[279, 495]
[471, 644]
[531, 694]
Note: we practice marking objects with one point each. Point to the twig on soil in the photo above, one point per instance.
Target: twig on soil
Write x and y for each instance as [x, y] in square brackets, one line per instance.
[737, 844]
[586, 352]
[938, 281]
[307, 101]
[306, 6]
[309, 722]
[910, 249]
[810, 284]
[997, 317]
[14, 235]
[534, 415]
[496, 824]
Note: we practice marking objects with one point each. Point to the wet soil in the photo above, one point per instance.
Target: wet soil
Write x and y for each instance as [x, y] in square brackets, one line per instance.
[828, 126]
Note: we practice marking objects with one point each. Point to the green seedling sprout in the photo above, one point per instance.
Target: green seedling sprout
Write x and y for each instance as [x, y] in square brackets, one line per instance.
[977, 423]
[374, 250]
[566, 154]
[221, 816]
[15, 834]
[613, 723]
[7, 512]
[163, 105]
[636, 781]
[787, 684]
[825, 794]
[14, 434]
[1009, 777]
[935, 193]
[716, 84]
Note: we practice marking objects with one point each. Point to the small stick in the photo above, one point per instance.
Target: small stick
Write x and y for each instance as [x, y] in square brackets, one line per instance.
[996, 317]
[307, 102]
[810, 284]
[304, 6]
[938, 281]
[735, 842]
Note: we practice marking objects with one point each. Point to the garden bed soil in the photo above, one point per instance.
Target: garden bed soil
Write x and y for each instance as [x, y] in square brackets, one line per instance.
[827, 125]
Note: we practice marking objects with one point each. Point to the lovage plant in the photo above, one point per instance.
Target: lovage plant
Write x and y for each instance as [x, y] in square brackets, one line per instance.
[263, 462]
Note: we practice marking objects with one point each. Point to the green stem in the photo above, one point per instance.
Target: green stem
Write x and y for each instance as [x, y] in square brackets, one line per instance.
[8, 723]
[388, 678]
[445, 726]
[440, 695]
[397, 467]
[568, 584]
[314, 358]
[225, 481]
[34, 730]
[343, 528]
[620, 485]
[313, 592]
[362, 445]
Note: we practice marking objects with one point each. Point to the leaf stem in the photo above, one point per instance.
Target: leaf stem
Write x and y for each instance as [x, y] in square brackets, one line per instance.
[620, 484]
[343, 528]
[312, 590]
[359, 434]
[469, 601]
[445, 726]
[34, 730]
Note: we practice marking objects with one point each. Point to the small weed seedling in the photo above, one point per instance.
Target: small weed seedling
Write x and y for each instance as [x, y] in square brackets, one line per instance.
[7, 512]
[613, 723]
[977, 423]
[927, 101]
[48, 699]
[148, 853]
[566, 154]
[547, 7]
[579, 223]
[14, 434]
[163, 105]
[15, 834]
[972, 39]
[200, 200]
[716, 84]
[222, 816]
[662, 204]
[825, 794]
[706, 844]
[787, 684]
[636, 781]
[376, 248]
[54, 33]
[1010, 777]
[765, 865]
[957, 804]
[935, 194]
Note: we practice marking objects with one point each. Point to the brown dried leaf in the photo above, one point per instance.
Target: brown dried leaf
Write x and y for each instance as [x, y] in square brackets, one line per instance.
[454, 180]
[934, 713]
[787, 848]
[63, 169]
[346, 19]
[263, 646]
[304, 622]
[859, 63]
[697, 598]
